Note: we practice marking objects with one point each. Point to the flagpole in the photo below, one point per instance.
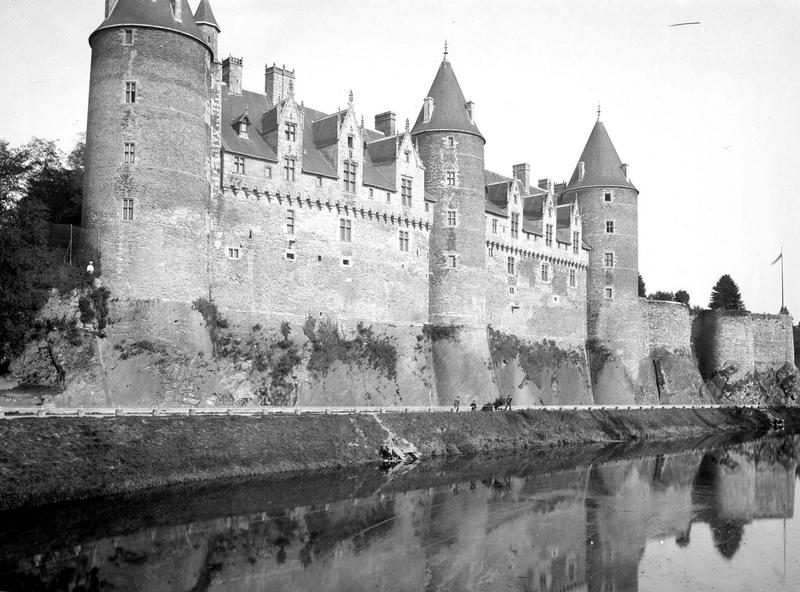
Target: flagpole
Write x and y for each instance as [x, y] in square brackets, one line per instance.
[783, 305]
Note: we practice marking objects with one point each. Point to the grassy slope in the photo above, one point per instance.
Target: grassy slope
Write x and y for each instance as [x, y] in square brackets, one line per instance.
[48, 460]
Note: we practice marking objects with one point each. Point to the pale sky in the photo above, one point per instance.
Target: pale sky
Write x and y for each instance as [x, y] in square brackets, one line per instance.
[706, 115]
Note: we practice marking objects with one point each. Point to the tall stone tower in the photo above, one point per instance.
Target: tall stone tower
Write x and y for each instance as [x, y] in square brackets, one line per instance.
[451, 147]
[608, 205]
[147, 187]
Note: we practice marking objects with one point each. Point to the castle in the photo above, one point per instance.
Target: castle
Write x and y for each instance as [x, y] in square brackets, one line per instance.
[196, 187]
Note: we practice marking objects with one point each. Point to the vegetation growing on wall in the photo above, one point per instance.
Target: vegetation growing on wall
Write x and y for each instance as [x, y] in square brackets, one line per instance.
[365, 349]
[93, 307]
[532, 358]
[599, 356]
[440, 332]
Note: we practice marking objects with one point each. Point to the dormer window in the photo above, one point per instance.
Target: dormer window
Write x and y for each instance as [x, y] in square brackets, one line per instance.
[243, 129]
[350, 141]
[581, 170]
[427, 109]
[407, 154]
[291, 131]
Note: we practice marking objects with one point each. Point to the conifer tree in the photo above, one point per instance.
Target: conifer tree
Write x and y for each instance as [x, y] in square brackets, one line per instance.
[682, 296]
[642, 287]
[725, 295]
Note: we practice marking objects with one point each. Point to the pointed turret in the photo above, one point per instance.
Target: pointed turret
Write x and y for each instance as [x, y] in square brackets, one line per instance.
[205, 16]
[599, 164]
[445, 109]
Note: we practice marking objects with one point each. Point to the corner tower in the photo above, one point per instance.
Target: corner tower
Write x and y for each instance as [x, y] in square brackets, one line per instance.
[608, 205]
[451, 147]
[147, 185]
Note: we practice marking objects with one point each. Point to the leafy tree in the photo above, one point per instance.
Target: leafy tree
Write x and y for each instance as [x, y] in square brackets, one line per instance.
[14, 166]
[661, 295]
[682, 296]
[56, 186]
[642, 287]
[725, 295]
[796, 333]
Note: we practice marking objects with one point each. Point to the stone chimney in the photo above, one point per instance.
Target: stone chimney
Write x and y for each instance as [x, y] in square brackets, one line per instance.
[385, 123]
[110, 4]
[522, 172]
[232, 74]
[544, 183]
[278, 83]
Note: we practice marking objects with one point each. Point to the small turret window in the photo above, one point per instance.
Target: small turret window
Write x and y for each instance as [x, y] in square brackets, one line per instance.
[609, 227]
[608, 259]
[607, 196]
[451, 261]
[130, 92]
[129, 153]
[572, 282]
[451, 141]
[609, 293]
[127, 37]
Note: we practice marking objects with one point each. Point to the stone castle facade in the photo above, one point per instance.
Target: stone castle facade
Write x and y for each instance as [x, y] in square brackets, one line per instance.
[196, 187]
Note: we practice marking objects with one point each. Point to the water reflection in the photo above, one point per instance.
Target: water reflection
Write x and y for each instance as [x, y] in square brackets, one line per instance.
[528, 524]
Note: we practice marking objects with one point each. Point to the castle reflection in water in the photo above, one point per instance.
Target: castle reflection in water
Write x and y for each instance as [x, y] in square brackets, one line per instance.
[451, 527]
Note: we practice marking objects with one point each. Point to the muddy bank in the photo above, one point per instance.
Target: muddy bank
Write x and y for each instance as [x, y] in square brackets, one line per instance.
[51, 460]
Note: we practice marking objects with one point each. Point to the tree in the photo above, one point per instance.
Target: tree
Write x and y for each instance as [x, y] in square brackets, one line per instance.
[661, 295]
[14, 166]
[682, 296]
[642, 287]
[725, 295]
[796, 333]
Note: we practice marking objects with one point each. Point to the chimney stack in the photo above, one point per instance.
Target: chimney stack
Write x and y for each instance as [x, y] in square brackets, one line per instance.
[232, 74]
[110, 4]
[385, 123]
[522, 172]
[278, 83]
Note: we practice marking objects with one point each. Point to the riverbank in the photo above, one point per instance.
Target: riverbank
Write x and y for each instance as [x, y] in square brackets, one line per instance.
[58, 459]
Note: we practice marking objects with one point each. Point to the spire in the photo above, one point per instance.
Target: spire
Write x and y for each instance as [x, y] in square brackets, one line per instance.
[600, 162]
[598, 110]
[444, 59]
[449, 108]
[350, 97]
[205, 16]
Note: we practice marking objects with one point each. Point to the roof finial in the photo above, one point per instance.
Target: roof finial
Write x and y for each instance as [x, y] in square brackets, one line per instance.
[598, 110]
[408, 125]
[362, 121]
[445, 50]
[350, 97]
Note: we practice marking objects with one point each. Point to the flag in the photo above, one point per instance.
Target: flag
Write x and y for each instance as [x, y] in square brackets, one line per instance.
[778, 258]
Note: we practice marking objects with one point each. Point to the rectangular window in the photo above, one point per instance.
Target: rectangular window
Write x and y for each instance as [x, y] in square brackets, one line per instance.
[514, 225]
[452, 219]
[576, 242]
[127, 209]
[319, 181]
[290, 256]
[548, 235]
[427, 207]
[290, 221]
[571, 278]
[129, 153]
[494, 226]
[511, 265]
[451, 261]
[238, 165]
[407, 155]
[130, 92]
[289, 167]
[388, 197]
[349, 171]
[291, 131]
[350, 141]
[371, 193]
[451, 141]
[406, 191]
[404, 240]
[545, 272]
[345, 230]
[609, 293]
[233, 253]
[609, 226]
[451, 178]
[346, 261]
[608, 259]
[128, 39]
[268, 172]
[607, 196]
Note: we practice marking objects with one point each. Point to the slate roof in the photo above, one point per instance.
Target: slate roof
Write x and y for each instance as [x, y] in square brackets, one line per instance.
[233, 106]
[156, 14]
[205, 16]
[449, 106]
[602, 165]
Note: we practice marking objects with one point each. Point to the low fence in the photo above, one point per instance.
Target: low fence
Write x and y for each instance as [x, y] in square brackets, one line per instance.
[108, 412]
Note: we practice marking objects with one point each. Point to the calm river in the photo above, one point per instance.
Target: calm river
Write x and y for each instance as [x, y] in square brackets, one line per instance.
[696, 516]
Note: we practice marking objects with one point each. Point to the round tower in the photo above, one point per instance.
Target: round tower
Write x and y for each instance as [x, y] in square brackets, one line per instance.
[147, 185]
[608, 205]
[451, 147]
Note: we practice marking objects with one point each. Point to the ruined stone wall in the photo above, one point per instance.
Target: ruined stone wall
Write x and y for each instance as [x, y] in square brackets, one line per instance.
[159, 253]
[750, 342]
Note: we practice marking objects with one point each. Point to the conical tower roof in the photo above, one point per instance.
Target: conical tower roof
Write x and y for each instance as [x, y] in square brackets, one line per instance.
[602, 165]
[205, 16]
[449, 106]
[155, 14]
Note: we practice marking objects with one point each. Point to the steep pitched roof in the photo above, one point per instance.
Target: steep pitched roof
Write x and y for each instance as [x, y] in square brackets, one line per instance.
[154, 14]
[233, 108]
[205, 16]
[449, 106]
[602, 165]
